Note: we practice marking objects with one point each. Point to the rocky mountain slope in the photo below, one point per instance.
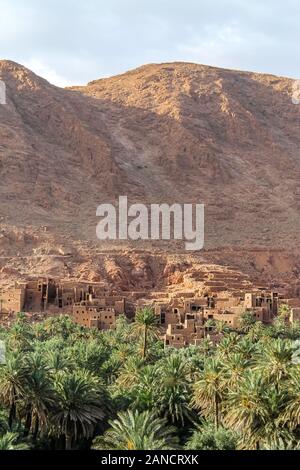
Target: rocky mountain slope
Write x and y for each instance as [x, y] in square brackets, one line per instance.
[161, 133]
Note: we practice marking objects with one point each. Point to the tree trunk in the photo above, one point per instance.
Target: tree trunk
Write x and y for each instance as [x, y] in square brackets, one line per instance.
[27, 423]
[12, 416]
[68, 441]
[36, 428]
[145, 342]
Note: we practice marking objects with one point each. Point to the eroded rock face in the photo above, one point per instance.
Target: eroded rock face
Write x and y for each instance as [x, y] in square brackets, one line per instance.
[161, 133]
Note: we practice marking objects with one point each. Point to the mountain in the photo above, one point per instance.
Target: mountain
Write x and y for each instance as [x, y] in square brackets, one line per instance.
[171, 133]
[228, 139]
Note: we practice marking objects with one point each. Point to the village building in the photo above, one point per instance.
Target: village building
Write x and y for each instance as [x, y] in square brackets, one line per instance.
[13, 300]
[185, 317]
[294, 315]
[91, 316]
[185, 320]
[98, 313]
[89, 303]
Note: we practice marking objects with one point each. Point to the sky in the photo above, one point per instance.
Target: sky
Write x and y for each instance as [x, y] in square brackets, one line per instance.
[71, 42]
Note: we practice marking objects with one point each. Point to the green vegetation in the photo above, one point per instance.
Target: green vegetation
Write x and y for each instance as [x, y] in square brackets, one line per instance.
[66, 387]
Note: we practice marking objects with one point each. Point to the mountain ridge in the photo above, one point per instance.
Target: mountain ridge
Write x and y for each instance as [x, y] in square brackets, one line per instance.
[174, 132]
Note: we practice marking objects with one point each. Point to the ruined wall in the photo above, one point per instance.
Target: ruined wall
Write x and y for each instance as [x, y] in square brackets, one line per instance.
[12, 301]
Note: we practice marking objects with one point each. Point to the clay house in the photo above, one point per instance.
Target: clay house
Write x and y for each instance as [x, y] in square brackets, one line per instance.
[55, 296]
[175, 311]
[174, 337]
[98, 313]
[39, 294]
[116, 302]
[184, 334]
[48, 295]
[70, 292]
[185, 319]
[89, 315]
[229, 318]
[13, 301]
[295, 315]
[263, 305]
[226, 303]
[265, 300]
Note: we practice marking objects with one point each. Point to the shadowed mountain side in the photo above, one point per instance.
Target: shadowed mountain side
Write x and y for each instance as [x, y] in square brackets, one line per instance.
[161, 133]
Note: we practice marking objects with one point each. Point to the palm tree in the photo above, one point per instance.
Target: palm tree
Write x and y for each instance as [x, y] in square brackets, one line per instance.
[275, 434]
[228, 345]
[210, 325]
[284, 312]
[296, 352]
[90, 355]
[279, 327]
[12, 384]
[122, 331]
[247, 409]
[10, 442]
[248, 348]
[291, 414]
[257, 331]
[129, 374]
[40, 400]
[35, 361]
[293, 331]
[20, 335]
[222, 327]
[209, 390]
[146, 389]
[57, 361]
[137, 431]
[60, 326]
[81, 404]
[234, 368]
[206, 347]
[207, 437]
[276, 360]
[174, 389]
[122, 352]
[247, 320]
[145, 326]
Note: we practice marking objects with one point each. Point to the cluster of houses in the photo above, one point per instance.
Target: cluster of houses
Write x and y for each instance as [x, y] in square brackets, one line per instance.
[188, 321]
[88, 303]
[184, 317]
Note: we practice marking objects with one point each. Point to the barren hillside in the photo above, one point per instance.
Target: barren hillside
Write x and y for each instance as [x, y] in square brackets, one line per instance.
[161, 133]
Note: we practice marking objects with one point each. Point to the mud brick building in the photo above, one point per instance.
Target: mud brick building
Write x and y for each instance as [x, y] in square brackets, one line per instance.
[185, 320]
[98, 313]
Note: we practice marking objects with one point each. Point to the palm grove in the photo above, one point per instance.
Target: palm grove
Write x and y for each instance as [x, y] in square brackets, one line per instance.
[66, 387]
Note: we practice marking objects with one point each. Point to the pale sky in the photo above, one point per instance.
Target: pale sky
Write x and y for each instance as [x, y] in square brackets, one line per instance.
[76, 41]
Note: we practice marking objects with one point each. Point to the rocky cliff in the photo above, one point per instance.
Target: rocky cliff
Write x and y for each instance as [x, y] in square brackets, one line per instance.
[161, 133]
